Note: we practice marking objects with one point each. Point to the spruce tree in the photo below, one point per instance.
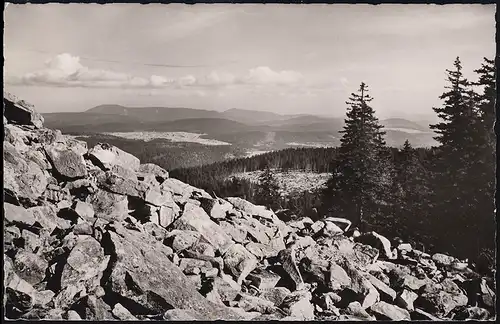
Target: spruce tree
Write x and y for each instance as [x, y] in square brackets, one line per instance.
[268, 191]
[456, 183]
[360, 179]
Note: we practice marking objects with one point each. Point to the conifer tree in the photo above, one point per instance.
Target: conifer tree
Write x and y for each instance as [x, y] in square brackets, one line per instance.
[411, 195]
[268, 191]
[361, 178]
[458, 160]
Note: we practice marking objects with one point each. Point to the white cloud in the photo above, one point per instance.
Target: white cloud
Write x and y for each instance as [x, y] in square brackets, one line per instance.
[66, 70]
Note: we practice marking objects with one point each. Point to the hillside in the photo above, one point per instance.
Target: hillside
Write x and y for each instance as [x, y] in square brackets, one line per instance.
[97, 235]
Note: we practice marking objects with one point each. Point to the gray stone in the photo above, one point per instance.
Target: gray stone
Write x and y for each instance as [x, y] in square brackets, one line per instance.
[122, 313]
[239, 261]
[20, 112]
[106, 156]
[391, 312]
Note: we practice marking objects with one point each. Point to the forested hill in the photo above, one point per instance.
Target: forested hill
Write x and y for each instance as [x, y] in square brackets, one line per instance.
[316, 160]
[307, 159]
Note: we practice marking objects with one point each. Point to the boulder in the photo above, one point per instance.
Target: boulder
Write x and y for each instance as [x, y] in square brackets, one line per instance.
[331, 229]
[276, 295]
[47, 217]
[441, 299]
[255, 304]
[67, 164]
[377, 241]
[342, 223]
[106, 156]
[263, 279]
[20, 112]
[366, 293]
[180, 240]
[386, 293]
[383, 310]
[237, 233]
[289, 264]
[195, 219]
[216, 208]
[338, 277]
[150, 168]
[18, 215]
[83, 210]
[239, 261]
[298, 305]
[406, 298]
[109, 206]
[182, 315]
[85, 264]
[30, 267]
[487, 295]
[356, 312]
[157, 284]
[442, 260]
[26, 180]
[472, 313]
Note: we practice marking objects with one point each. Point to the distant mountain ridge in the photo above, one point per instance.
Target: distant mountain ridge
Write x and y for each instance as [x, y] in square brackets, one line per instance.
[233, 125]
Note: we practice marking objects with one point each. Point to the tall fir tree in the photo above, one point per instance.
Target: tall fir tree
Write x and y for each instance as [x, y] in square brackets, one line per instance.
[456, 183]
[486, 144]
[268, 193]
[361, 178]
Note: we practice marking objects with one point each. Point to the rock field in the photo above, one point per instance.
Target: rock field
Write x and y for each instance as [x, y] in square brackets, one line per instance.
[91, 233]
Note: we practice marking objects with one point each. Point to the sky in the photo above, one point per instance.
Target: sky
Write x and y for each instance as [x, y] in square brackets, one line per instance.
[282, 58]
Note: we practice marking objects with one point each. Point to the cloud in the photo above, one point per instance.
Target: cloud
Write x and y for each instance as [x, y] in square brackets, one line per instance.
[66, 70]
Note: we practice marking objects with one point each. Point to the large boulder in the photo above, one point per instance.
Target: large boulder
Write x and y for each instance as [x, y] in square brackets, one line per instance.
[106, 156]
[239, 261]
[150, 168]
[20, 112]
[391, 312]
[109, 206]
[143, 273]
[18, 215]
[195, 219]
[68, 164]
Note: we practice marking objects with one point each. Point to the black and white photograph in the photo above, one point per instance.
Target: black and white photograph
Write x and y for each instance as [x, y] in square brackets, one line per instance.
[249, 162]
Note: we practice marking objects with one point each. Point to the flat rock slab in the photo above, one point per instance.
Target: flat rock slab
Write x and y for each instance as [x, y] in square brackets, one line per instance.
[142, 272]
[105, 156]
[387, 311]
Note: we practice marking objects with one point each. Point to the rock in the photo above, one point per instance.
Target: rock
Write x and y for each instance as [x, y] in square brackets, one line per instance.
[276, 295]
[182, 315]
[73, 316]
[182, 191]
[263, 279]
[106, 156]
[384, 310]
[160, 173]
[377, 241]
[442, 260]
[32, 242]
[109, 206]
[93, 308]
[83, 210]
[287, 258]
[342, 223]
[239, 261]
[47, 217]
[386, 293]
[181, 240]
[298, 304]
[255, 304]
[338, 277]
[42, 298]
[18, 215]
[358, 312]
[237, 233]
[20, 112]
[20, 295]
[487, 295]
[122, 181]
[419, 314]
[216, 208]
[472, 313]
[122, 313]
[314, 271]
[156, 231]
[226, 288]
[30, 267]
[406, 298]
[195, 219]
[366, 292]
[143, 264]
[405, 247]
[441, 299]
[85, 264]
[365, 254]
[331, 229]
[67, 164]
[203, 249]
[329, 300]
[83, 228]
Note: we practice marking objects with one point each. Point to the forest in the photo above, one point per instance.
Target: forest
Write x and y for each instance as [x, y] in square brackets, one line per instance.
[441, 198]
